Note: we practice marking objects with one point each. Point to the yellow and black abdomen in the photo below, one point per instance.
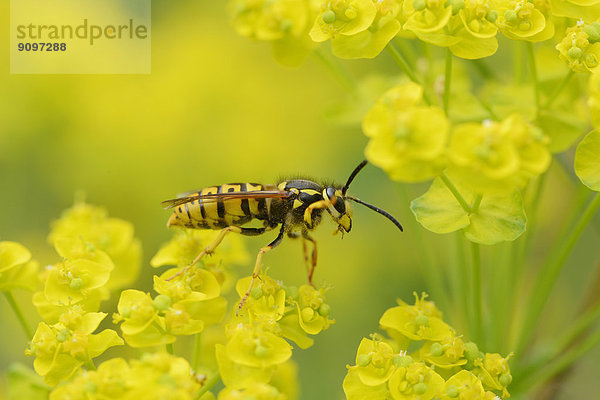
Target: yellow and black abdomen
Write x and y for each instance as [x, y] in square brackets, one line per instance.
[218, 212]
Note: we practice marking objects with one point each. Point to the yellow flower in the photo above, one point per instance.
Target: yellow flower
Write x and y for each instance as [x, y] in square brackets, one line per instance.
[17, 270]
[374, 362]
[406, 139]
[342, 17]
[579, 49]
[415, 381]
[255, 347]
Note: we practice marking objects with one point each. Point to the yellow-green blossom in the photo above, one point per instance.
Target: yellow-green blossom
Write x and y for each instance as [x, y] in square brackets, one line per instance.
[113, 236]
[17, 270]
[258, 391]
[522, 20]
[374, 362]
[493, 372]
[255, 347]
[446, 353]
[406, 139]
[580, 48]
[342, 17]
[62, 348]
[463, 385]
[421, 321]
[415, 381]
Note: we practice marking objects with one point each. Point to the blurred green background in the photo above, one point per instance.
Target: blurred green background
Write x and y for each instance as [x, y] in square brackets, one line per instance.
[216, 108]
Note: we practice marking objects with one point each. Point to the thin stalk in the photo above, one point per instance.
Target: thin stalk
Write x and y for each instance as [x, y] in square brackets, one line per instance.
[476, 299]
[455, 193]
[559, 89]
[534, 75]
[447, 80]
[462, 275]
[197, 349]
[401, 62]
[343, 76]
[550, 272]
[208, 384]
[20, 316]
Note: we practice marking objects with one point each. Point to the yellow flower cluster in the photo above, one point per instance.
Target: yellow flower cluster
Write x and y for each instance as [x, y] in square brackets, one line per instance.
[17, 269]
[443, 366]
[256, 345]
[98, 254]
[154, 376]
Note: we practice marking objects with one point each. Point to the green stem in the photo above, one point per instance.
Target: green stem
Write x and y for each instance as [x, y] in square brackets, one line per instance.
[462, 276]
[558, 89]
[169, 347]
[534, 75]
[343, 76]
[550, 272]
[209, 384]
[455, 193]
[20, 316]
[197, 350]
[447, 80]
[401, 62]
[476, 299]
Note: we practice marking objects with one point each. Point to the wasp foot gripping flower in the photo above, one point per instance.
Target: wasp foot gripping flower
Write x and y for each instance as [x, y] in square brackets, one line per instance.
[17, 270]
[406, 139]
[154, 376]
[113, 236]
[580, 48]
[62, 348]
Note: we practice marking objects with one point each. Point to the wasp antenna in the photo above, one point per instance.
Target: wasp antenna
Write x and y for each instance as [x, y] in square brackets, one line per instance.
[377, 209]
[353, 175]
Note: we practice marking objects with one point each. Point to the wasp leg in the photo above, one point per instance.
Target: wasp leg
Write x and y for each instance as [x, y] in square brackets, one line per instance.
[311, 271]
[309, 210]
[211, 247]
[257, 266]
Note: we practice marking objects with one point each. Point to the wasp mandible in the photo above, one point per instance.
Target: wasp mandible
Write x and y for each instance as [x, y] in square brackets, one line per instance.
[295, 205]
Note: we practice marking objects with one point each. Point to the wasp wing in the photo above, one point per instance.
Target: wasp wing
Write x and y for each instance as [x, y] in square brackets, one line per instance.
[213, 197]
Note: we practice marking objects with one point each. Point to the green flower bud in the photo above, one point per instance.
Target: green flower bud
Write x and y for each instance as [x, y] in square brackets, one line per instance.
[76, 283]
[505, 379]
[419, 5]
[402, 361]
[575, 52]
[593, 32]
[452, 391]
[472, 351]
[436, 350]
[261, 351]
[324, 310]
[492, 16]
[420, 388]
[422, 320]
[162, 302]
[329, 17]
[511, 16]
[363, 360]
[256, 292]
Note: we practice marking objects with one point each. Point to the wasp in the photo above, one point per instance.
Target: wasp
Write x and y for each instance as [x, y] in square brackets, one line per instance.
[296, 206]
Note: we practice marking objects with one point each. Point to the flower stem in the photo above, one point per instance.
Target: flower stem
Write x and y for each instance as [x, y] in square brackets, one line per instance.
[208, 384]
[558, 89]
[534, 75]
[447, 80]
[343, 76]
[476, 318]
[197, 349]
[17, 310]
[401, 62]
[455, 193]
[549, 274]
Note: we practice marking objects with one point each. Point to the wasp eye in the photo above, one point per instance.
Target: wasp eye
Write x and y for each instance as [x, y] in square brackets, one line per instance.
[330, 192]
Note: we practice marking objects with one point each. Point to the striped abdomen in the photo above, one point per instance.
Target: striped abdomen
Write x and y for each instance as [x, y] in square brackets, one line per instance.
[216, 213]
